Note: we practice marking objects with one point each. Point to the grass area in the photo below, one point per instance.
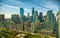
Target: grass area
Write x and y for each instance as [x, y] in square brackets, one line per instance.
[32, 36]
[7, 33]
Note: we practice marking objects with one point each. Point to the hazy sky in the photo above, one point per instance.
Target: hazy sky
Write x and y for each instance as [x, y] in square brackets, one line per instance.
[9, 7]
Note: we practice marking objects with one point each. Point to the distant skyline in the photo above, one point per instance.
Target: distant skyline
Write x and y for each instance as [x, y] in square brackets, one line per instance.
[9, 7]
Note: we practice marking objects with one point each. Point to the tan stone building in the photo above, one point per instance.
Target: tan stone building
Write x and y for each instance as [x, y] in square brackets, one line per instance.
[27, 26]
[36, 26]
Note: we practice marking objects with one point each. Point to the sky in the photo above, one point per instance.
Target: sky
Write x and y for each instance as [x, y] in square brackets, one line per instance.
[9, 7]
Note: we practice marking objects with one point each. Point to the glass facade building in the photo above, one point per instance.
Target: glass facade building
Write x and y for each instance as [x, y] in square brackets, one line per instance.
[21, 11]
[21, 14]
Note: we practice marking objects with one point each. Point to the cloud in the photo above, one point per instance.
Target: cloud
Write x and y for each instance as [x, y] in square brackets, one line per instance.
[8, 8]
[13, 6]
[51, 5]
[6, 5]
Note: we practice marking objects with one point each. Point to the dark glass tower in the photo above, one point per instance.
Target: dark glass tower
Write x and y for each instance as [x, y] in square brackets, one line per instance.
[32, 11]
[41, 17]
[21, 14]
[33, 16]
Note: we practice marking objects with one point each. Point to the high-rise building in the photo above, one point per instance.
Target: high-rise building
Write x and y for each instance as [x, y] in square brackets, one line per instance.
[55, 26]
[45, 22]
[36, 26]
[41, 17]
[33, 16]
[1, 20]
[28, 14]
[36, 13]
[49, 21]
[1, 17]
[15, 18]
[33, 11]
[58, 28]
[28, 18]
[21, 14]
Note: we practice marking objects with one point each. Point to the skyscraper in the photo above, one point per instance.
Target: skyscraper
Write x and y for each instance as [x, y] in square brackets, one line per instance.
[21, 14]
[41, 17]
[33, 16]
[28, 14]
[45, 22]
[28, 18]
[50, 20]
[33, 11]
[58, 15]
[36, 13]
[36, 26]
[1, 20]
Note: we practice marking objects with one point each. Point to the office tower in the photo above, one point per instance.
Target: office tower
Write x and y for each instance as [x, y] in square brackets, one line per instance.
[33, 16]
[28, 14]
[54, 24]
[21, 14]
[1, 17]
[36, 26]
[33, 11]
[32, 27]
[15, 18]
[49, 21]
[28, 18]
[36, 13]
[55, 29]
[58, 20]
[1, 20]
[45, 22]
[41, 17]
